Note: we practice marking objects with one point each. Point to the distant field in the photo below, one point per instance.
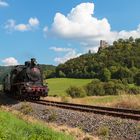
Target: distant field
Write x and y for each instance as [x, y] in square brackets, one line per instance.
[58, 86]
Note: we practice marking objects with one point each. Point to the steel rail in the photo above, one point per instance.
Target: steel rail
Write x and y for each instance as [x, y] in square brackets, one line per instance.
[116, 112]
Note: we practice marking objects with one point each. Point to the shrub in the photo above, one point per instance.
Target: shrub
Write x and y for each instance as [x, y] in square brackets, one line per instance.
[95, 88]
[109, 88]
[134, 90]
[112, 87]
[26, 108]
[103, 131]
[115, 87]
[52, 117]
[75, 92]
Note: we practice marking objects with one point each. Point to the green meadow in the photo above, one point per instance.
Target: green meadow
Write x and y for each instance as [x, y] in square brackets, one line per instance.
[58, 86]
[13, 128]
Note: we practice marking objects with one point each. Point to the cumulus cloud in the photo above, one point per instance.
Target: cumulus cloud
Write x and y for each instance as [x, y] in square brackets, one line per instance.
[32, 24]
[81, 25]
[70, 53]
[3, 3]
[10, 61]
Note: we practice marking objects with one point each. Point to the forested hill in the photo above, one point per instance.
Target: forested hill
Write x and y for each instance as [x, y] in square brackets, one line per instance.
[119, 61]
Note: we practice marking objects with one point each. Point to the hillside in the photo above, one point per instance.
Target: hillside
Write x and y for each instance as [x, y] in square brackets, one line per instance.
[119, 61]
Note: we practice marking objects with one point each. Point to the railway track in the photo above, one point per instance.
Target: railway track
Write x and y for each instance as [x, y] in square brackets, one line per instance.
[116, 112]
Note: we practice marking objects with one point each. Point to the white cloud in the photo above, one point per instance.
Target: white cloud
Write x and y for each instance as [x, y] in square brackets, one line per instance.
[3, 3]
[21, 27]
[71, 54]
[45, 29]
[58, 49]
[81, 25]
[10, 61]
[32, 24]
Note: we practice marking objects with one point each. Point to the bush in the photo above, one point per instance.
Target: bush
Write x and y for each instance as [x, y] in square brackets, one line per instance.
[26, 108]
[95, 88]
[52, 117]
[113, 87]
[103, 131]
[134, 90]
[75, 92]
[109, 88]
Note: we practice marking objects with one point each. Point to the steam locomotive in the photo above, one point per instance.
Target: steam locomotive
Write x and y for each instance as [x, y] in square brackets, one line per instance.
[25, 81]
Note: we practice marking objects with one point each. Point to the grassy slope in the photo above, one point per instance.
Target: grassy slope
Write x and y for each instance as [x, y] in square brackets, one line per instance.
[58, 86]
[12, 128]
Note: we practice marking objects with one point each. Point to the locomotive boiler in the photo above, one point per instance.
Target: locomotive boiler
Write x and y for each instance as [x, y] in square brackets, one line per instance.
[25, 81]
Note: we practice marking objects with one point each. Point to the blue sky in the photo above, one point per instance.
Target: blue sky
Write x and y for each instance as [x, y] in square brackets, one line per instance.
[55, 31]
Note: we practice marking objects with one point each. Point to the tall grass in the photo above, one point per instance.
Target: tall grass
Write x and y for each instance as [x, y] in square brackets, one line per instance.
[128, 101]
[12, 128]
[123, 101]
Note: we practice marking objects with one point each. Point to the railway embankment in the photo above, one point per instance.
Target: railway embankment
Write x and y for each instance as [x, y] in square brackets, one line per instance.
[95, 124]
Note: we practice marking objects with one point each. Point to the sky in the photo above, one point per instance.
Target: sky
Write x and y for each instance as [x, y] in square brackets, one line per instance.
[55, 31]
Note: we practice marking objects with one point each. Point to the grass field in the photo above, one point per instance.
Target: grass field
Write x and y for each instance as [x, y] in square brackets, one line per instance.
[58, 86]
[12, 128]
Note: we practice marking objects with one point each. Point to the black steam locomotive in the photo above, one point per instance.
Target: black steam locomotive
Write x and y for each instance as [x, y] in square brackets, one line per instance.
[25, 81]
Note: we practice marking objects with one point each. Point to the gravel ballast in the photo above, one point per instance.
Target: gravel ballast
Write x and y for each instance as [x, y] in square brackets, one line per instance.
[105, 127]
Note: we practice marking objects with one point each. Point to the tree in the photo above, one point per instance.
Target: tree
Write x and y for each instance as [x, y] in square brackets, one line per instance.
[131, 39]
[61, 74]
[105, 75]
[124, 73]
